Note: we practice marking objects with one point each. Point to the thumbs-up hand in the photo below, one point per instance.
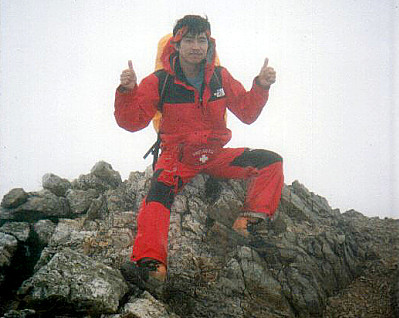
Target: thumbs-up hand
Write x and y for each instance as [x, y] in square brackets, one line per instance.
[128, 77]
[267, 75]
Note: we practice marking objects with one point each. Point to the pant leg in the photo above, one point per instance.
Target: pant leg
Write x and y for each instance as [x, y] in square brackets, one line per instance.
[153, 217]
[262, 168]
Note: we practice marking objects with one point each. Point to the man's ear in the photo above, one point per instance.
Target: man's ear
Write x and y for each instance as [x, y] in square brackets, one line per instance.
[177, 46]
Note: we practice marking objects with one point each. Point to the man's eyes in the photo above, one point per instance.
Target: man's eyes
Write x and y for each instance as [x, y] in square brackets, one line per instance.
[191, 40]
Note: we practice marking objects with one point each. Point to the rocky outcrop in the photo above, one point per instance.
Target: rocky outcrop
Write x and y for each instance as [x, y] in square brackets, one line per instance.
[55, 184]
[61, 249]
[77, 282]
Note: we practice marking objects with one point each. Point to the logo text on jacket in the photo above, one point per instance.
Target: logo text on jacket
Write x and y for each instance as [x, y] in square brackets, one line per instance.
[219, 93]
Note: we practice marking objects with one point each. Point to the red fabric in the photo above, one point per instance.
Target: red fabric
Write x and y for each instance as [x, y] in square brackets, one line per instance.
[152, 236]
[263, 196]
[185, 122]
[180, 34]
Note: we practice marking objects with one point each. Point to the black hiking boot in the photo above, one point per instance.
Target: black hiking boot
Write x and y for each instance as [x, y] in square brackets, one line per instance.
[244, 225]
[147, 273]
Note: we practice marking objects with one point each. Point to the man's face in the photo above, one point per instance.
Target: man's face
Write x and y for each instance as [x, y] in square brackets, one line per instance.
[193, 48]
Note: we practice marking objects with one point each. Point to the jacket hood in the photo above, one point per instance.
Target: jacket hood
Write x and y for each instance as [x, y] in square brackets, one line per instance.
[170, 55]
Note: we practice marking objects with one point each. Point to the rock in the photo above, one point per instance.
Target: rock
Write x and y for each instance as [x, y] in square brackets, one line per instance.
[74, 282]
[227, 205]
[80, 200]
[98, 209]
[206, 264]
[8, 246]
[40, 205]
[259, 280]
[55, 184]
[104, 171]
[18, 253]
[146, 307]
[308, 261]
[20, 230]
[302, 256]
[8, 249]
[14, 198]
[108, 241]
[122, 198]
[101, 178]
[90, 181]
[26, 313]
[138, 184]
[396, 293]
[44, 230]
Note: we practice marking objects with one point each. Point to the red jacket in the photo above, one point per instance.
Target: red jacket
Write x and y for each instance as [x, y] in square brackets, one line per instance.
[188, 116]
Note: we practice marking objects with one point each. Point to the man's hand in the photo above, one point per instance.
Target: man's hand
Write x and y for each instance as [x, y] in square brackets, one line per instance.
[267, 75]
[128, 77]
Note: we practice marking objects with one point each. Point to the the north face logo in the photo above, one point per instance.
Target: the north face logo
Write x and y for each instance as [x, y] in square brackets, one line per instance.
[219, 93]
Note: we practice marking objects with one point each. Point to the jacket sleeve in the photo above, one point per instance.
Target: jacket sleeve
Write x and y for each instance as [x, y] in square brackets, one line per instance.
[246, 105]
[135, 109]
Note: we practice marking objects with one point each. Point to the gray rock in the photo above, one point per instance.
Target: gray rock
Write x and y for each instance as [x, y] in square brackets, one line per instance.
[90, 181]
[55, 184]
[207, 263]
[108, 241]
[14, 198]
[289, 267]
[40, 205]
[25, 313]
[396, 293]
[296, 261]
[146, 306]
[8, 247]
[138, 185]
[101, 178]
[73, 280]
[44, 230]
[259, 279]
[20, 230]
[122, 198]
[104, 171]
[98, 209]
[80, 200]
[227, 204]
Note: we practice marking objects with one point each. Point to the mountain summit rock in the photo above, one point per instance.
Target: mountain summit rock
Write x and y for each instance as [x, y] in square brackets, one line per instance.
[61, 249]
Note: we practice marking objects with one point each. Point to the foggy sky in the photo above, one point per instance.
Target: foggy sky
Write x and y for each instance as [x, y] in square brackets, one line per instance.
[331, 113]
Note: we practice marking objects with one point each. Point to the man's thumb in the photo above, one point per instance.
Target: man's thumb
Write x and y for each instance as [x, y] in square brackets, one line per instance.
[130, 64]
[266, 62]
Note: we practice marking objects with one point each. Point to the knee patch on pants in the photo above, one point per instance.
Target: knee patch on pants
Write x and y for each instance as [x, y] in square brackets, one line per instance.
[257, 158]
[162, 192]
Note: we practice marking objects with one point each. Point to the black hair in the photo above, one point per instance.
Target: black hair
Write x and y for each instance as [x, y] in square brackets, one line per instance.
[195, 24]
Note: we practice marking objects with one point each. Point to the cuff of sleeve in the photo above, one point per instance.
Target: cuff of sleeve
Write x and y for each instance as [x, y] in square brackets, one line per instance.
[125, 91]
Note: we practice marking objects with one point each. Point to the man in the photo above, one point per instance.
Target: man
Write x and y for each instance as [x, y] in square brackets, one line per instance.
[193, 94]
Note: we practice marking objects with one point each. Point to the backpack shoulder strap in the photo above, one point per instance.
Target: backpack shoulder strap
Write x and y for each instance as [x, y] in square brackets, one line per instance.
[165, 80]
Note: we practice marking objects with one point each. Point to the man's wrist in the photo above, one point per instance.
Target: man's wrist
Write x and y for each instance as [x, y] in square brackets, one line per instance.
[124, 90]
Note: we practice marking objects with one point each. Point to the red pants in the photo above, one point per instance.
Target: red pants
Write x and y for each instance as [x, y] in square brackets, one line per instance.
[262, 168]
